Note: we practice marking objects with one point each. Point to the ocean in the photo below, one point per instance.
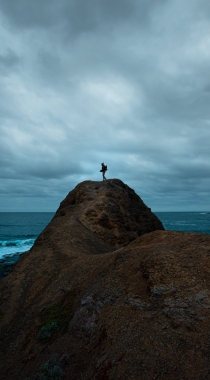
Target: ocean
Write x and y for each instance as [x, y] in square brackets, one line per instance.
[185, 221]
[18, 230]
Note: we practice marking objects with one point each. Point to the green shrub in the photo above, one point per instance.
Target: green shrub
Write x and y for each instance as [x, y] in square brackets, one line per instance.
[51, 370]
[47, 332]
[55, 318]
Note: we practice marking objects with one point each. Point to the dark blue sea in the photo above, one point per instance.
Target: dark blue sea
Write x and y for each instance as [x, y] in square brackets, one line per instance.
[19, 230]
[186, 221]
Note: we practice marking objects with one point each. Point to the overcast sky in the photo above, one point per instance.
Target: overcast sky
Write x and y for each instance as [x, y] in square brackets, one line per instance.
[124, 82]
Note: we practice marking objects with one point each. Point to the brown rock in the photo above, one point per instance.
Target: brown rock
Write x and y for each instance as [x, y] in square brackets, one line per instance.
[110, 209]
[98, 297]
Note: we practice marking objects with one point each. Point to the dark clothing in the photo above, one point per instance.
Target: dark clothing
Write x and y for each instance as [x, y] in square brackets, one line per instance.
[103, 170]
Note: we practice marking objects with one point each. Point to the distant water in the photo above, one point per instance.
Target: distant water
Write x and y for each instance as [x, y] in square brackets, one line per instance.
[19, 230]
[185, 221]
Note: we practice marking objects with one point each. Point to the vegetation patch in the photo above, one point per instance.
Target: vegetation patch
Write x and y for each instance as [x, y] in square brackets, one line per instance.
[55, 318]
[51, 370]
[47, 332]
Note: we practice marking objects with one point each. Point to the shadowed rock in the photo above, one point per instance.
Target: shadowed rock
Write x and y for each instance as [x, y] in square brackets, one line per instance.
[97, 297]
[110, 209]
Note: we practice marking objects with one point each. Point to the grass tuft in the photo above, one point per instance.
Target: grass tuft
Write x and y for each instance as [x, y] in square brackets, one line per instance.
[55, 319]
[51, 370]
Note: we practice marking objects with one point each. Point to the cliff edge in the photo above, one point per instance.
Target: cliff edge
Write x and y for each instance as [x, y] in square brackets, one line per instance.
[106, 293]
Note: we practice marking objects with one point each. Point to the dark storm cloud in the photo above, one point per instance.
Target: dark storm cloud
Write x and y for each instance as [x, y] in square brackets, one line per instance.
[77, 15]
[28, 14]
[8, 60]
[127, 83]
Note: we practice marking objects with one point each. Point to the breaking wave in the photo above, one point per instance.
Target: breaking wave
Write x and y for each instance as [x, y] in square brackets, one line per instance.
[18, 245]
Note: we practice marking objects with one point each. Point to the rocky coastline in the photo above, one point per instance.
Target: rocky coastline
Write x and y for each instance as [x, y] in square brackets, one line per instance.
[7, 262]
[106, 293]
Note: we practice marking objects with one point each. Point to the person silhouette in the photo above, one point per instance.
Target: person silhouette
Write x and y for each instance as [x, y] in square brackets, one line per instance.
[103, 170]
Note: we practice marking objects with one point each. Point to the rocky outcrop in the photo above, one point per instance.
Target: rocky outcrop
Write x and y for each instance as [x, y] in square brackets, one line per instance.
[111, 210]
[98, 297]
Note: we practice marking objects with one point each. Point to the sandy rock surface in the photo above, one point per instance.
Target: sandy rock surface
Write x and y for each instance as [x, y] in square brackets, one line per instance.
[106, 293]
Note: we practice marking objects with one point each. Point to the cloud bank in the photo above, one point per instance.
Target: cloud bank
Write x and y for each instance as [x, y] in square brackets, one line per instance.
[125, 83]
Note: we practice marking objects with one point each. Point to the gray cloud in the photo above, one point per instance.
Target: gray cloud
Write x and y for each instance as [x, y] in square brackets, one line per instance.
[77, 16]
[8, 60]
[122, 82]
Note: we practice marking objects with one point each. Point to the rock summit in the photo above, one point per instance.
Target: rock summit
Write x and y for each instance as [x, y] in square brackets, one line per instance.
[105, 293]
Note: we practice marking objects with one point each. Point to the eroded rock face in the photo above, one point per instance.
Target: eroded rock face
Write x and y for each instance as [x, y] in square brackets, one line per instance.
[93, 300]
[110, 209]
